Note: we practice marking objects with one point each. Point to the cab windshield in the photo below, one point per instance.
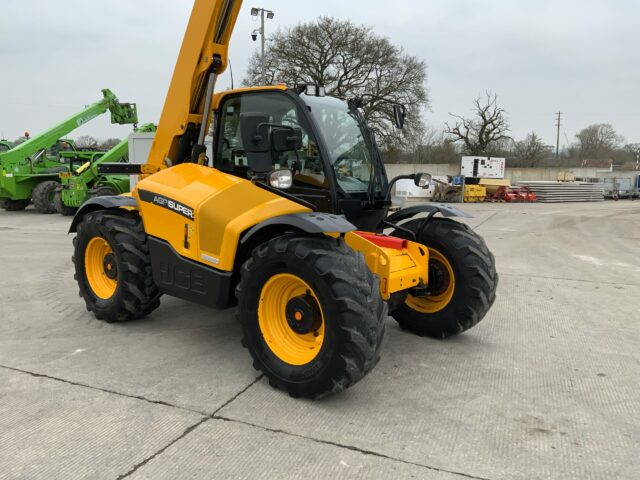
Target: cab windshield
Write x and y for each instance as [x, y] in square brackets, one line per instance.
[348, 143]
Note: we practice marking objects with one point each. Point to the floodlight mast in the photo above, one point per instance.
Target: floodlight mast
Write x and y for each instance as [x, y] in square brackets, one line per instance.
[270, 15]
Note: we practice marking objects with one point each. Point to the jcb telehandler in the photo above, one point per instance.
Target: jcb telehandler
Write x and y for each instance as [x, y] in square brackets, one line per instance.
[287, 222]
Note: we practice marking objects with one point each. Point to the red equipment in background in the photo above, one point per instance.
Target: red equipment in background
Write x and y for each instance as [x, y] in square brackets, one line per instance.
[512, 194]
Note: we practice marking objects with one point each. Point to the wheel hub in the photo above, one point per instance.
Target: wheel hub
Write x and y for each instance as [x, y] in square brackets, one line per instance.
[110, 267]
[291, 320]
[100, 268]
[441, 286]
[439, 278]
[303, 314]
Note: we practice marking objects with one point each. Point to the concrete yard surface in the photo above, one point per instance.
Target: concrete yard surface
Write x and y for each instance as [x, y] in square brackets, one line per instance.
[546, 387]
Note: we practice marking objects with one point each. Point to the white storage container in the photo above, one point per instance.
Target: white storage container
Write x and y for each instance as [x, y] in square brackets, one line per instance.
[139, 149]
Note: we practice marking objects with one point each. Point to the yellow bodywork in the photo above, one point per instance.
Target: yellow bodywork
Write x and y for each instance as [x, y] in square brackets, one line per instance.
[397, 269]
[223, 207]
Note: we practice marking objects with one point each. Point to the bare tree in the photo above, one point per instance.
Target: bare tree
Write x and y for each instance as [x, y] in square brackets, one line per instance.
[633, 149]
[349, 60]
[86, 141]
[487, 128]
[531, 151]
[19, 140]
[108, 144]
[598, 141]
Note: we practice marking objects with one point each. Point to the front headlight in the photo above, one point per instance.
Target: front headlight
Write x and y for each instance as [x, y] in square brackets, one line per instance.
[282, 179]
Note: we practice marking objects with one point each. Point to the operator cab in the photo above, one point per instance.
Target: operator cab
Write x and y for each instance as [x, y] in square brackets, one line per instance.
[337, 167]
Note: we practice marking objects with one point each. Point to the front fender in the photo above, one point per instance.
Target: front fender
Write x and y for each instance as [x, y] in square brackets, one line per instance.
[101, 203]
[312, 222]
[442, 208]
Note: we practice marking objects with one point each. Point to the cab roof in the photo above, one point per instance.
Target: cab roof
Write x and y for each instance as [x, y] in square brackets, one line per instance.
[217, 98]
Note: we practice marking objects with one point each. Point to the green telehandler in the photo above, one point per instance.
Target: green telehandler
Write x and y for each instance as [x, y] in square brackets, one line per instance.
[77, 186]
[28, 172]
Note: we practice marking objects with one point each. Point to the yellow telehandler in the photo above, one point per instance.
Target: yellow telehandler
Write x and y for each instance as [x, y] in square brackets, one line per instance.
[286, 221]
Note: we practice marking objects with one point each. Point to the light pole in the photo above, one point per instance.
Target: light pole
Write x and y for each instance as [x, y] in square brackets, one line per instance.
[261, 12]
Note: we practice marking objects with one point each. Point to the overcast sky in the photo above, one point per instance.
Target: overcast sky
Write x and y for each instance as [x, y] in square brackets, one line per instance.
[540, 56]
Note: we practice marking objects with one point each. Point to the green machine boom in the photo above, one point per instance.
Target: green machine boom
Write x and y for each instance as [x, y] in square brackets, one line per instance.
[77, 186]
[27, 172]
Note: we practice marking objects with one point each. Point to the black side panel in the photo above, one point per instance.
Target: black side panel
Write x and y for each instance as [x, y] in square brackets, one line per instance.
[120, 168]
[101, 203]
[186, 279]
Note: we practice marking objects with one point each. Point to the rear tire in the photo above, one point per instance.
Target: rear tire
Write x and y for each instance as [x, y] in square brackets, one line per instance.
[43, 196]
[61, 208]
[15, 205]
[351, 314]
[130, 292]
[463, 304]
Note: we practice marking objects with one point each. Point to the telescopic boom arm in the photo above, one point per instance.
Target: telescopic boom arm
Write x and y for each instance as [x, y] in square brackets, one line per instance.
[121, 113]
[185, 118]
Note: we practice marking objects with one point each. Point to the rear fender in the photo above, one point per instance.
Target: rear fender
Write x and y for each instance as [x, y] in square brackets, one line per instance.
[102, 203]
[430, 208]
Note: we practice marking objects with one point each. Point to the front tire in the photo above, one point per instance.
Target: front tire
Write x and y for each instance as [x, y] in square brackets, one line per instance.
[43, 196]
[113, 266]
[462, 280]
[311, 314]
[61, 208]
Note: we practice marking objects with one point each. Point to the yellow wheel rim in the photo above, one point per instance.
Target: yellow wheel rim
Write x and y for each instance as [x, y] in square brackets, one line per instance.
[277, 322]
[100, 268]
[439, 264]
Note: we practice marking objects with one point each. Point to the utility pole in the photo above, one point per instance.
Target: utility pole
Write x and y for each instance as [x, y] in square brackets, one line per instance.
[261, 12]
[558, 124]
[264, 69]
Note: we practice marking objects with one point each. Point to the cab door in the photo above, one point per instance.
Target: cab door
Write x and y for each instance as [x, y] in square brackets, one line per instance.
[310, 182]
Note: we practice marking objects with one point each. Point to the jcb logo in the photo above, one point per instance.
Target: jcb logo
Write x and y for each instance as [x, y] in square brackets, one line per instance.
[174, 276]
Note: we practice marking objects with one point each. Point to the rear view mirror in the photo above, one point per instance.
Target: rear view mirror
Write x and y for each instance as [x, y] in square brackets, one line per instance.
[286, 139]
[255, 130]
[399, 115]
[423, 180]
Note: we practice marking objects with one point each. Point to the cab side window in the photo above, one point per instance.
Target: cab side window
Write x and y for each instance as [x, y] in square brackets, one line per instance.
[231, 156]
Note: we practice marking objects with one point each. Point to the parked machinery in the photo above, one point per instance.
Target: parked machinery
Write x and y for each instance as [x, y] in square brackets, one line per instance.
[29, 173]
[78, 185]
